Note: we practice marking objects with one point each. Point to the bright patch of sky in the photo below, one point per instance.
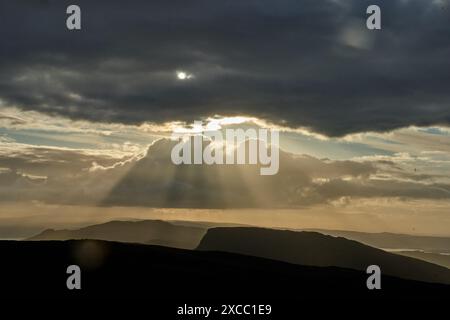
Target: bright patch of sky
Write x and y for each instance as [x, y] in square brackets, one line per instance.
[426, 146]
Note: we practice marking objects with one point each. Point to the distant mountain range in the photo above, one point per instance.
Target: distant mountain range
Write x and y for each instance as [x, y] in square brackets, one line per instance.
[303, 248]
[31, 269]
[154, 232]
[436, 258]
[393, 241]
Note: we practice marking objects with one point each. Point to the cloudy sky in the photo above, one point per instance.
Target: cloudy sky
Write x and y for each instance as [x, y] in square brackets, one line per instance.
[364, 115]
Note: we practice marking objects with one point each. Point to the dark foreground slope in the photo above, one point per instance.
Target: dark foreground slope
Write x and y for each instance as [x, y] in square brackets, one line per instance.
[315, 249]
[154, 232]
[121, 270]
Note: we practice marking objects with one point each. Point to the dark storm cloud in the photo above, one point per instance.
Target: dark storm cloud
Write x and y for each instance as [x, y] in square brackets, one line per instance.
[302, 63]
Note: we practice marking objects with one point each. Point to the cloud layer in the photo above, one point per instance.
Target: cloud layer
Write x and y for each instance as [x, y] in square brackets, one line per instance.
[57, 176]
[301, 63]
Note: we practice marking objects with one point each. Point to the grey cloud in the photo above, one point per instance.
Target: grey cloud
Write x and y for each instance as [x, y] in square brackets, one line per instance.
[338, 188]
[53, 175]
[300, 63]
[155, 181]
[301, 181]
[50, 162]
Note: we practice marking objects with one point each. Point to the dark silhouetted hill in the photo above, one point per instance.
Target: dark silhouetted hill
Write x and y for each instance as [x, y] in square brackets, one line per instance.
[37, 269]
[144, 231]
[315, 249]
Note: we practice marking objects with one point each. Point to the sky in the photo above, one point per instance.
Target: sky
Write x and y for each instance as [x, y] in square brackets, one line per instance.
[364, 115]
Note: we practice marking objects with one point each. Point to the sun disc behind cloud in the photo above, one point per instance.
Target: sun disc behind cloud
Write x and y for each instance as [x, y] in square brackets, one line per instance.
[182, 75]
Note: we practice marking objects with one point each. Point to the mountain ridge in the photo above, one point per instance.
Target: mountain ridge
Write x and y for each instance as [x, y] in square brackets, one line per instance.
[313, 248]
[141, 231]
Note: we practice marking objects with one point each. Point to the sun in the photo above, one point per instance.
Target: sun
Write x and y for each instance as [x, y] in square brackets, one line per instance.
[182, 75]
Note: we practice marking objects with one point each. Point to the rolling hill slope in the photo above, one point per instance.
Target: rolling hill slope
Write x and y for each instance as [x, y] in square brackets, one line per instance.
[315, 249]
